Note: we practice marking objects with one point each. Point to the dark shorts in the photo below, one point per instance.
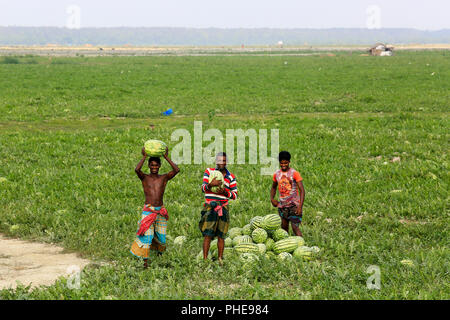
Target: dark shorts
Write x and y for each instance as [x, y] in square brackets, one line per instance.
[289, 213]
[211, 224]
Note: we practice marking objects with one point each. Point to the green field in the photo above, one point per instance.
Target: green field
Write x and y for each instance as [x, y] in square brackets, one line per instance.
[71, 131]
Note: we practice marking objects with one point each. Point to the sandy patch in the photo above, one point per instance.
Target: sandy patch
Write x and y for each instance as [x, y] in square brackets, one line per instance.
[34, 263]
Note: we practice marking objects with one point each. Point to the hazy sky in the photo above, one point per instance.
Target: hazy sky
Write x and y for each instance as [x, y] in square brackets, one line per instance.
[419, 14]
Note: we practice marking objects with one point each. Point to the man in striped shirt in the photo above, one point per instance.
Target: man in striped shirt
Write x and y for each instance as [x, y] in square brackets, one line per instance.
[215, 219]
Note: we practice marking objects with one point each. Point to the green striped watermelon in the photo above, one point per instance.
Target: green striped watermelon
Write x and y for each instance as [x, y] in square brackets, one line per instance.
[271, 222]
[300, 240]
[246, 247]
[269, 255]
[227, 252]
[256, 222]
[155, 148]
[228, 242]
[269, 244]
[219, 177]
[248, 257]
[213, 245]
[200, 255]
[242, 239]
[259, 235]
[262, 248]
[285, 245]
[234, 232]
[303, 252]
[247, 229]
[280, 234]
[285, 256]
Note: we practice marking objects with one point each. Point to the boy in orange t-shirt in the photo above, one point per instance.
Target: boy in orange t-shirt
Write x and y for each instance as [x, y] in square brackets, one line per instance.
[291, 194]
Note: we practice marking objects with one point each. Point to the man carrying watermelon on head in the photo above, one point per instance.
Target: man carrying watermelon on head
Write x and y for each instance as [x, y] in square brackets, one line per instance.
[291, 192]
[219, 186]
[154, 214]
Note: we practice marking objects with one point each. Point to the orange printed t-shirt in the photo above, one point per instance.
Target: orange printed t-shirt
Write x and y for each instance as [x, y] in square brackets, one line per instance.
[287, 187]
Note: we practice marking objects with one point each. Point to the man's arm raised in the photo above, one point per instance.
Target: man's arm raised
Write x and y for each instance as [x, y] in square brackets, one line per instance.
[138, 168]
[175, 168]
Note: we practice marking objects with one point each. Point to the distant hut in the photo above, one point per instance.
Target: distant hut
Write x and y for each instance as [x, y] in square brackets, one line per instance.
[380, 49]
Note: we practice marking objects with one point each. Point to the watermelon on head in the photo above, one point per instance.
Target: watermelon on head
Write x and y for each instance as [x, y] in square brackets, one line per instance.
[219, 176]
[259, 235]
[155, 148]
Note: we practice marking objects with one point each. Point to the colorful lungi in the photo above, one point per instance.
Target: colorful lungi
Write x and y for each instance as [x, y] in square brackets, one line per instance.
[147, 228]
[290, 213]
[215, 220]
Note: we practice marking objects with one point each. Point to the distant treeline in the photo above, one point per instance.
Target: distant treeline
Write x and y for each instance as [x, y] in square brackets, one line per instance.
[215, 36]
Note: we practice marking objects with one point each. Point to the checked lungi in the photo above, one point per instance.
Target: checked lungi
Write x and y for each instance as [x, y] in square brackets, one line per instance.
[153, 222]
[214, 219]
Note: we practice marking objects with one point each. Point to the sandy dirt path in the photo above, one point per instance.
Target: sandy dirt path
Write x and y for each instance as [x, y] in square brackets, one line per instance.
[35, 263]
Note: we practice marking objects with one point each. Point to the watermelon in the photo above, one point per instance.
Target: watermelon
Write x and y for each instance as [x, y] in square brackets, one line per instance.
[242, 239]
[259, 235]
[269, 254]
[269, 244]
[247, 229]
[248, 257]
[200, 255]
[155, 148]
[315, 249]
[303, 252]
[228, 242]
[262, 248]
[300, 240]
[179, 240]
[270, 233]
[246, 247]
[280, 234]
[234, 232]
[219, 176]
[285, 256]
[271, 222]
[256, 222]
[285, 245]
[227, 252]
[213, 245]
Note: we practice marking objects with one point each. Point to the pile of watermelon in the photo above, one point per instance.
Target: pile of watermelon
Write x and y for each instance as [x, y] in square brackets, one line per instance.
[264, 236]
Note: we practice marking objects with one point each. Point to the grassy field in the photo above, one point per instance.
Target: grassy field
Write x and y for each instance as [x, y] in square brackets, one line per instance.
[71, 131]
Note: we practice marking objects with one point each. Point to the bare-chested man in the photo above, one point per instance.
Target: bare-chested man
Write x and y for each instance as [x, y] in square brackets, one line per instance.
[154, 214]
